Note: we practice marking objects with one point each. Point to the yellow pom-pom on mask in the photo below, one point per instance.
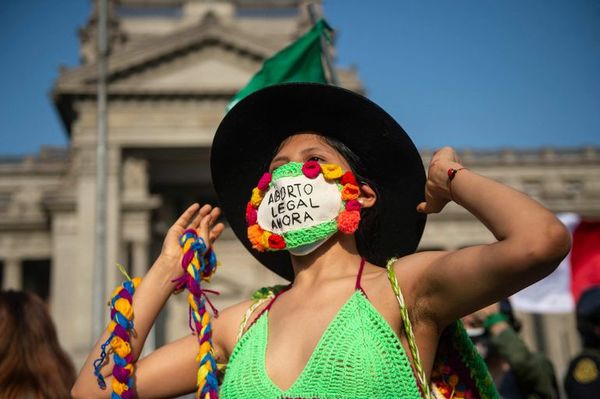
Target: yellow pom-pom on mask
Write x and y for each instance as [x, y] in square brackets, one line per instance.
[331, 171]
[257, 197]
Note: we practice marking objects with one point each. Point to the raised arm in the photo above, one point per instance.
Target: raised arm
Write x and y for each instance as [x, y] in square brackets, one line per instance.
[150, 297]
[531, 243]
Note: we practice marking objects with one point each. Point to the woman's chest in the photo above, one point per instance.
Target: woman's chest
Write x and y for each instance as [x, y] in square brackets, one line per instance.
[358, 351]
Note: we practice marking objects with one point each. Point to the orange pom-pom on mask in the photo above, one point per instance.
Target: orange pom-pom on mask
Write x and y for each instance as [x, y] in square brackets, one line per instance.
[348, 221]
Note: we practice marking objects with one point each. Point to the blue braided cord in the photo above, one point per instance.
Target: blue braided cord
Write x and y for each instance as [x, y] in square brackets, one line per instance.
[114, 396]
[100, 361]
[210, 358]
[184, 237]
[119, 360]
[211, 378]
[123, 322]
[209, 329]
[212, 258]
[199, 246]
[128, 285]
[211, 382]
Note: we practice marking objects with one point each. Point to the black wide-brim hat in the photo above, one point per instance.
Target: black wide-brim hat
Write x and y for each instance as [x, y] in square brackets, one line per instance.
[253, 129]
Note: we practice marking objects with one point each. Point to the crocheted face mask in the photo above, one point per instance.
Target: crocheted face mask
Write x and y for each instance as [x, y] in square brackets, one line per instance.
[300, 205]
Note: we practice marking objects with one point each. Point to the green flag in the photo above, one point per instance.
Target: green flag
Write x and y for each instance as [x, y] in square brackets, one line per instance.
[298, 62]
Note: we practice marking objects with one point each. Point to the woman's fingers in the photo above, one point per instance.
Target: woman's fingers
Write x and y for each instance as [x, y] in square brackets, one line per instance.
[186, 216]
[204, 228]
[215, 232]
[205, 210]
[215, 213]
[203, 221]
[432, 205]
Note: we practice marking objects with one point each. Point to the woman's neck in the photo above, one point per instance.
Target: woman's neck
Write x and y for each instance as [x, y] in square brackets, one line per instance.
[336, 258]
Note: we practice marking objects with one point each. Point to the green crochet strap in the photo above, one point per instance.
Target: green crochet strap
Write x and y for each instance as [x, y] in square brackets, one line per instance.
[473, 361]
[259, 297]
[410, 336]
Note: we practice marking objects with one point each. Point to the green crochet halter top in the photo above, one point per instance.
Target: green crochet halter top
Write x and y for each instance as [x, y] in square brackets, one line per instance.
[358, 356]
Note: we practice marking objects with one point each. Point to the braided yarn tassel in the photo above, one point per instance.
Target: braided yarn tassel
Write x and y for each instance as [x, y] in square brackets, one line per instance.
[199, 264]
[412, 342]
[119, 340]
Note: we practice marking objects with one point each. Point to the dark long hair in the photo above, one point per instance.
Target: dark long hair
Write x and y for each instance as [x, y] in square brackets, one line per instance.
[368, 229]
[32, 363]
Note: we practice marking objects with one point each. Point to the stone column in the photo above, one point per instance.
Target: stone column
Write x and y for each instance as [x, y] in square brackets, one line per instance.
[140, 258]
[13, 275]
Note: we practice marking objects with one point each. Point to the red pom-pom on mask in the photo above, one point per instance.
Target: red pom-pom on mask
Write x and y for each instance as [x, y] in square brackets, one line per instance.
[311, 169]
[348, 177]
[353, 205]
[263, 183]
[251, 215]
[276, 241]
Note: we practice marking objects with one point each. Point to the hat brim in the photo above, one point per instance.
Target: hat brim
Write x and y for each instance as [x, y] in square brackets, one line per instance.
[250, 133]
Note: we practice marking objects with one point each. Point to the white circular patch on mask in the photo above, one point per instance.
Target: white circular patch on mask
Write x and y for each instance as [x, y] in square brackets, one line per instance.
[294, 203]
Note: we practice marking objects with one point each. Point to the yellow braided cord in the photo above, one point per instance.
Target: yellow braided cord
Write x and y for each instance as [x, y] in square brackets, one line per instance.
[410, 336]
[119, 340]
[201, 265]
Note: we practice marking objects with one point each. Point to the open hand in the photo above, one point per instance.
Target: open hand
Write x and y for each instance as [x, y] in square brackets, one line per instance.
[437, 193]
[202, 220]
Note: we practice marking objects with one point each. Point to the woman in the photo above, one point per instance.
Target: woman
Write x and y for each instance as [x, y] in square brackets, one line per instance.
[32, 363]
[280, 129]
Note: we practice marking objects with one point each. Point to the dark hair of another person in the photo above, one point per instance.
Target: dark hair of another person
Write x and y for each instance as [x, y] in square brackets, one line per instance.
[368, 229]
[588, 317]
[32, 363]
[507, 310]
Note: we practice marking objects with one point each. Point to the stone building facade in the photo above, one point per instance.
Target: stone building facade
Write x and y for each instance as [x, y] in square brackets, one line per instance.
[174, 64]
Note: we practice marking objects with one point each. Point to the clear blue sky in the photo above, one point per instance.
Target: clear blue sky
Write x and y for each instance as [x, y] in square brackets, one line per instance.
[466, 73]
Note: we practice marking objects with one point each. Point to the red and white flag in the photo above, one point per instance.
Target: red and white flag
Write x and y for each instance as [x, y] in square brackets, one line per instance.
[559, 292]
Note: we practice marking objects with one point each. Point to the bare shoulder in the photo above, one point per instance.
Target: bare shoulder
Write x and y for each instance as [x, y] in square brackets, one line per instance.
[414, 278]
[411, 266]
[226, 326]
[418, 259]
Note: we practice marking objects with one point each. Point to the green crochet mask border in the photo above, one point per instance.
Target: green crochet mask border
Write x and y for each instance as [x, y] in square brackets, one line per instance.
[298, 238]
[290, 169]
